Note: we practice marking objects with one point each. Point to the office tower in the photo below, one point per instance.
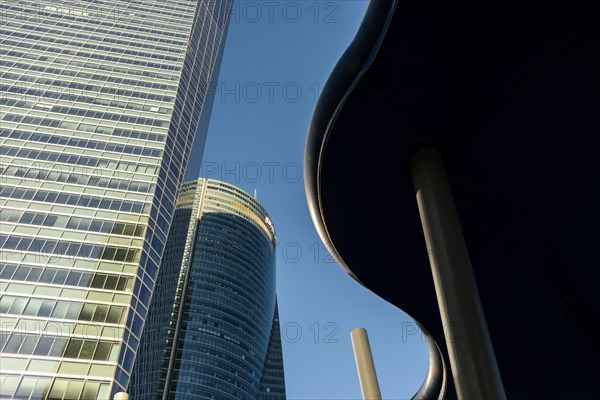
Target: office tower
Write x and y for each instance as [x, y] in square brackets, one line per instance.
[101, 102]
[213, 327]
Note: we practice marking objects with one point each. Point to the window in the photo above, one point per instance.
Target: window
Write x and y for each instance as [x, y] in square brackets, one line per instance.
[18, 305]
[87, 312]
[87, 350]
[73, 348]
[103, 351]
[33, 307]
[98, 281]
[5, 303]
[100, 314]
[114, 315]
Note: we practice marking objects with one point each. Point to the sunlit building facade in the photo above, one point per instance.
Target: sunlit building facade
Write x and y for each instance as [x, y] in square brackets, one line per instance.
[213, 327]
[100, 104]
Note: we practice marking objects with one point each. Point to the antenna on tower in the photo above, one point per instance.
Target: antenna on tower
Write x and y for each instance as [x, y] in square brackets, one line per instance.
[255, 194]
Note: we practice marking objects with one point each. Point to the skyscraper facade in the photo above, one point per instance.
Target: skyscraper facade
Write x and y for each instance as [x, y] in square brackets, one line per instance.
[213, 326]
[101, 102]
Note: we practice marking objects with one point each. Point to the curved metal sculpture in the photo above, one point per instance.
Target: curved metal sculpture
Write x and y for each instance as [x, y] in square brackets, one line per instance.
[351, 67]
[434, 384]
[507, 93]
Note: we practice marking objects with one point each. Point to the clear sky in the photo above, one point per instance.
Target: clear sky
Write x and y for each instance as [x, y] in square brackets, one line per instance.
[277, 57]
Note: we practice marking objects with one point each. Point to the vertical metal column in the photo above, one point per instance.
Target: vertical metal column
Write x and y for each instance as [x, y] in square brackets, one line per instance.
[471, 354]
[364, 364]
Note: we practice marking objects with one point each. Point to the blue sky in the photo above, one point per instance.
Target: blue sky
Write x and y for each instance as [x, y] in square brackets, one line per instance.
[277, 57]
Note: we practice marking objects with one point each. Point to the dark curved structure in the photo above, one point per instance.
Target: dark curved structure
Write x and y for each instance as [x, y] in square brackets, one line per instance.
[509, 94]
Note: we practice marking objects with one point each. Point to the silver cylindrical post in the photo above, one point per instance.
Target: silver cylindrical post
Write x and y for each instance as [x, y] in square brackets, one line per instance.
[364, 364]
[472, 358]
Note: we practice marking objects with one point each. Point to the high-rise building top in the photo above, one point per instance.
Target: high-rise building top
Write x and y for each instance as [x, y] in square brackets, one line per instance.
[100, 105]
[213, 326]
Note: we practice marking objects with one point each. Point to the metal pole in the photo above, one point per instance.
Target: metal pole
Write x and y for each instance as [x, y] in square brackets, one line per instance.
[471, 354]
[364, 364]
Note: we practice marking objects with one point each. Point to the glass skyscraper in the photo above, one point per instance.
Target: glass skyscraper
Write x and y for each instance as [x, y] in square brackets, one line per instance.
[100, 103]
[213, 327]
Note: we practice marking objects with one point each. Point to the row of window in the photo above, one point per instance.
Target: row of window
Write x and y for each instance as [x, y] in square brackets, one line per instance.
[242, 275]
[241, 266]
[248, 353]
[224, 237]
[61, 309]
[244, 213]
[243, 339]
[114, 228]
[49, 247]
[103, 130]
[80, 160]
[63, 72]
[200, 384]
[42, 387]
[97, 56]
[35, 173]
[76, 223]
[194, 372]
[252, 313]
[95, 29]
[248, 204]
[74, 200]
[68, 95]
[47, 71]
[85, 87]
[231, 191]
[128, 133]
[198, 351]
[57, 346]
[221, 223]
[107, 39]
[44, 13]
[86, 45]
[47, 171]
[82, 143]
[41, 59]
[195, 364]
[236, 261]
[251, 329]
[131, 119]
[57, 276]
